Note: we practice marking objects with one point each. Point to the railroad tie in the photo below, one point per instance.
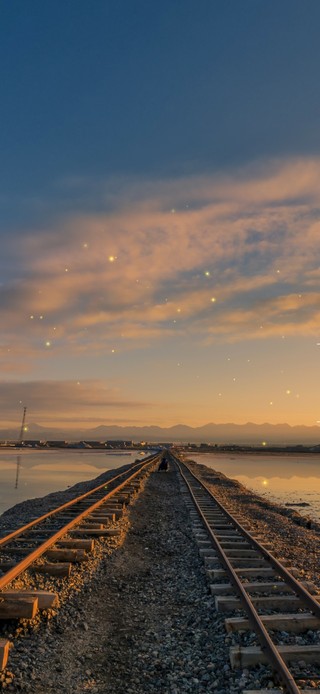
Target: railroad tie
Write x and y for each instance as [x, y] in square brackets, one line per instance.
[251, 553]
[117, 512]
[113, 504]
[207, 552]
[62, 569]
[259, 587]
[102, 517]
[241, 657]
[75, 556]
[88, 545]
[293, 623]
[238, 544]
[122, 498]
[46, 598]
[91, 526]
[93, 532]
[18, 607]
[247, 572]
[283, 602]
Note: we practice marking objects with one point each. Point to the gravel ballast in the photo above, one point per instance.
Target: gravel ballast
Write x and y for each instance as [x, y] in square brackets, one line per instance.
[140, 618]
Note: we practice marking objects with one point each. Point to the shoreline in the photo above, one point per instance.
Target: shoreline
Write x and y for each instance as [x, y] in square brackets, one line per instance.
[23, 508]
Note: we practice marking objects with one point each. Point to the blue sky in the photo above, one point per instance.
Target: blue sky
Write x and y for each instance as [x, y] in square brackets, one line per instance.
[159, 210]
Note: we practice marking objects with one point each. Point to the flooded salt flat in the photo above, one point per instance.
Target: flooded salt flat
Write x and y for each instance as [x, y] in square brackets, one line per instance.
[282, 478]
[32, 473]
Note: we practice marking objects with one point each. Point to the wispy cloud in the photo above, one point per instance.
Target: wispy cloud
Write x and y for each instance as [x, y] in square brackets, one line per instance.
[66, 402]
[214, 256]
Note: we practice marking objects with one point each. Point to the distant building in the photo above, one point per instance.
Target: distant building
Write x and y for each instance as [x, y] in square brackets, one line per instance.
[33, 443]
[118, 444]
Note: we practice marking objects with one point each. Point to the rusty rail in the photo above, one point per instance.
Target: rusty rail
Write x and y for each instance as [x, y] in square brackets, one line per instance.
[39, 551]
[266, 642]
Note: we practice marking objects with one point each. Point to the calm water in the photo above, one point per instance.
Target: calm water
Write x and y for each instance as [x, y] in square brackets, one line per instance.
[278, 478]
[281, 478]
[35, 473]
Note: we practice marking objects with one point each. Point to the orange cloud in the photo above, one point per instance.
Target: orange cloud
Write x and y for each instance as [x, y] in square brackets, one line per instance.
[149, 268]
[69, 401]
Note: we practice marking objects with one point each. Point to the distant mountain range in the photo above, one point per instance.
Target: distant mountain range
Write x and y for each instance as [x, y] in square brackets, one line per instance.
[250, 433]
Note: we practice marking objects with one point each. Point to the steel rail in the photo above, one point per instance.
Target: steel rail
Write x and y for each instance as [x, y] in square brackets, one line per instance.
[266, 642]
[39, 551]
[297, 588]
[15, 533]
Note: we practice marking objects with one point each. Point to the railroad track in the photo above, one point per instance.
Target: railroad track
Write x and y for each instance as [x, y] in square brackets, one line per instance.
[54, 542]
[262, 592]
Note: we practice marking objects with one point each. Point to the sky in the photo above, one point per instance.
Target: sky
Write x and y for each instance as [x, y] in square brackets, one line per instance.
[159, 212]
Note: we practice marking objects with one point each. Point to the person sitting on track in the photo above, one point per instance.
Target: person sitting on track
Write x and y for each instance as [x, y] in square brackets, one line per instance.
[163, 465]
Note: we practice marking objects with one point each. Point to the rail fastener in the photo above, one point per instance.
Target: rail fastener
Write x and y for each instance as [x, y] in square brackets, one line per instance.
[4, 652]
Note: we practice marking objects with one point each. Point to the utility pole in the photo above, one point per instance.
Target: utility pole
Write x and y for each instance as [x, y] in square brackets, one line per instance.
[22, 425]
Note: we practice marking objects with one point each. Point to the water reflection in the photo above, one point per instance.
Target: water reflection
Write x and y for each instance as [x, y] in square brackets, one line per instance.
[35, 473]
[285, 479]
[17, 471]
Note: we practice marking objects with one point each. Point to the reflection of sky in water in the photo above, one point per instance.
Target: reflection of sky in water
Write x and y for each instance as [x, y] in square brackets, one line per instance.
[35, 473]
[278, 478]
